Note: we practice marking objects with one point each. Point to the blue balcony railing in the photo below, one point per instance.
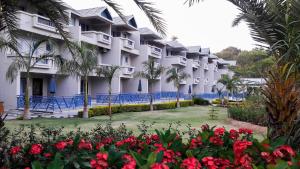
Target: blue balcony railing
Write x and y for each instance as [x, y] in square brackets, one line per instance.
[52, 103]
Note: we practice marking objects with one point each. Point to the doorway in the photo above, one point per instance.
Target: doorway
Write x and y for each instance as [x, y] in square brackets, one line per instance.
[37, 87]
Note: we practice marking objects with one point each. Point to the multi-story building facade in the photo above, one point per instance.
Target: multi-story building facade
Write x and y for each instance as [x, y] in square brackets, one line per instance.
[117, 42]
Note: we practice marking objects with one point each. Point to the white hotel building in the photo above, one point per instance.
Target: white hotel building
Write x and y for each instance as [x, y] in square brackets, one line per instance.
[118, 43]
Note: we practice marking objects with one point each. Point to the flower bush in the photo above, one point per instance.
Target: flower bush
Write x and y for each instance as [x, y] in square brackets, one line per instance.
[105, 147]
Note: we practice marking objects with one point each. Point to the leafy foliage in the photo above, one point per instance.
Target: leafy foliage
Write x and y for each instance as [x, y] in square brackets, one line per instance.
[107, 147]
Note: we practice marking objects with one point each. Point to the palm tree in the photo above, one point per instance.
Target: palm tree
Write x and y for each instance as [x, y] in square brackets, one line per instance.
[53, 9]
[83, 64]
[26, 61]
[229, 83]
[275, 25]
[151, 72]
[176, 75]
[108, 73]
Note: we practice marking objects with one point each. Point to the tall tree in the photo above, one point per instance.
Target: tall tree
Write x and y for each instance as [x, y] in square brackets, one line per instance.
[84, 63]
[108, 73]
[230, 53]
[151, 71]
[176, 76]
[26, 61]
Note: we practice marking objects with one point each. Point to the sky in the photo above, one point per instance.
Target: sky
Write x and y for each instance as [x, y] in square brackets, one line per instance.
[207, 24]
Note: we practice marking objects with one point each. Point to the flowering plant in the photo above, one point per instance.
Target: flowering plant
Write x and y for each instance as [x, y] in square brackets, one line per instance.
[208, 148]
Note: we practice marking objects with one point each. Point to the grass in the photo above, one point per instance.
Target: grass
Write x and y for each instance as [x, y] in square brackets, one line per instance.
[195, 116]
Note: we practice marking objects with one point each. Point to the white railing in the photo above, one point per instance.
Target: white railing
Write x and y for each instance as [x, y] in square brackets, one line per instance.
[127, 70]
[104, 38]
[183, 82]
[206, 81]
[196, 80]
[44, 63]
[196, 63]
[216, 69]
[27, 20]
[155, 51]
[127, 43]
[94, 37]
[183, 60]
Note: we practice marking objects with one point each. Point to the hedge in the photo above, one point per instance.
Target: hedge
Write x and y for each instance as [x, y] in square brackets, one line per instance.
[254, 115]
[103, 110]
[200, 101]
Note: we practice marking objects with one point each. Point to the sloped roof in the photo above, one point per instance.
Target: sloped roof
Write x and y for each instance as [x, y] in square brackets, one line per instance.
[212, 56]
[226, 62]
[176, 44]
[205, 51]
[130, 22]
[96, 12]
[194, 49]
[149, 33]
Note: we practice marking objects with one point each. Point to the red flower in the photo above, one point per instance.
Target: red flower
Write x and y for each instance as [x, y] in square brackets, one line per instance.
[190, 163]
[48, 155]
[238, 148]
[233, 134]
[159, 166]
[36, 149]
[195, 142]
[268, 157]
[205, 127]
[216, 140]
[219, 131]
[284, 151]
[15, 150]
[27, 168]
[245, 161]
[61, 145]
[209, 162]
[129, 162]
[100, 162]
[85, 145]
[131, 141]
[69, 142]
[99, 146]
[245, 131]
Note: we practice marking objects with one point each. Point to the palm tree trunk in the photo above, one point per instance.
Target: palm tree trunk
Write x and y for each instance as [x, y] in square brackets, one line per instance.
[85, 102]
[151, 98]
[177, 102]
[109, 102]
[27, 114]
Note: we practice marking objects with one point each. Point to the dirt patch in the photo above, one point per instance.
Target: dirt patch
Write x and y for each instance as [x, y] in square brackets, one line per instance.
[239, 124]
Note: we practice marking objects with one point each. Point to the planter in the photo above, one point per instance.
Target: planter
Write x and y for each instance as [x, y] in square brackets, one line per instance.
[1, 107]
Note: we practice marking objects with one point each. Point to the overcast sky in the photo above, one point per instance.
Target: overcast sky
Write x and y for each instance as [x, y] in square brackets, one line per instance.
[207, 24]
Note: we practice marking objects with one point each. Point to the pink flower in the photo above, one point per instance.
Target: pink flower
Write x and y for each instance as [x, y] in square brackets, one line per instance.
[85, 145]
[159, 166]
[216, 140]
[15, 150]
[129, 162]
[195, 142]
[219, 131]
[36, 149]
[100, 162]
[190, 163]
[61, 145]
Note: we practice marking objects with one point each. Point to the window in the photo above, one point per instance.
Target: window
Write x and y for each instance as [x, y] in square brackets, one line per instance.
[126, 59]
[82, 86]
[22, 86]
[73, 21]
[84, 27]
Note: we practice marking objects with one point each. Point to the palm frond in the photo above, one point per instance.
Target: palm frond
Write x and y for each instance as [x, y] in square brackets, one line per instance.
[192, 2]
[14, 68]
[108, 72]
[154, 15]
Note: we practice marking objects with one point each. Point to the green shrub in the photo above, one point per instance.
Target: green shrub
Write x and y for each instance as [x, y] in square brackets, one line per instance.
[254, 115]
[200, 101]
[103, 110]
[216, 101]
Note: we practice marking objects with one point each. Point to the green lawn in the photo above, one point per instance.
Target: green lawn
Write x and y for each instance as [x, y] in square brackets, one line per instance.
[196, 116]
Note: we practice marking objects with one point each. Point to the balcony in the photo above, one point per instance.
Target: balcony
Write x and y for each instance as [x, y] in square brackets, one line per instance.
[177, 60]
[37, 24]
[43, 64]
[183, 82]
[196, 64]
[127, 71]
[196, 81]
[97, 38]
[127, 43]
[206, 82]
[155, 52]
[216, 69]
